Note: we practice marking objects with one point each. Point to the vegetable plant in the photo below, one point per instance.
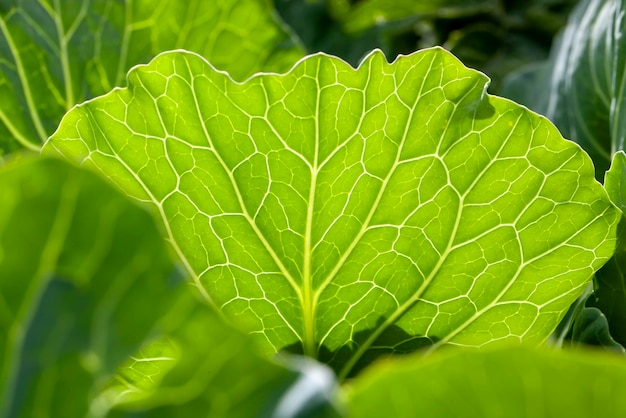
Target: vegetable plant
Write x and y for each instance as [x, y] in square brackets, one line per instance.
[245, 233]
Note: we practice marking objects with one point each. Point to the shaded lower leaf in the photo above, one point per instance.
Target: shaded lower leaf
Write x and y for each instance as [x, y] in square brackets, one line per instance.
[506, 382]
[140, 374]
[84, 275]
[216, 373]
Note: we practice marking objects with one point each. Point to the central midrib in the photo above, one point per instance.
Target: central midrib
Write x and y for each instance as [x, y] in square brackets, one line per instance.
[333, 273]
[309, 343]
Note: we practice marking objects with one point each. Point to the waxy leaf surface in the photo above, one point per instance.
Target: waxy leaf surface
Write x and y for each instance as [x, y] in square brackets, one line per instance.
[610, 293]
[54, 54]
[508, 382]
[582, 87]
[349, 213]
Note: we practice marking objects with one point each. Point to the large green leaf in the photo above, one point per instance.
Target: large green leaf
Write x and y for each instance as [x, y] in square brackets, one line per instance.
[349, 213]
[54, 54]
[582, 88]
[510, 382]
[84, 276]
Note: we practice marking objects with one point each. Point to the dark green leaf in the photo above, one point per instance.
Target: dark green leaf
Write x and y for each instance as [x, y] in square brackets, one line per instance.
[592, 328]
[610, 295]
[320, 31]
[582, 89]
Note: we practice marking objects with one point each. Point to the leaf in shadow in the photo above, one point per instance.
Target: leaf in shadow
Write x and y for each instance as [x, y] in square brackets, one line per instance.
[84, 276]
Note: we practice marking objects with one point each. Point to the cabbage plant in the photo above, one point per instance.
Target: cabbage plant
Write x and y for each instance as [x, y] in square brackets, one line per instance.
[240, 230]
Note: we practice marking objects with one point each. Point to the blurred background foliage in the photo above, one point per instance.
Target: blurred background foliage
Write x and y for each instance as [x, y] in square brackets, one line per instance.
[494, 36]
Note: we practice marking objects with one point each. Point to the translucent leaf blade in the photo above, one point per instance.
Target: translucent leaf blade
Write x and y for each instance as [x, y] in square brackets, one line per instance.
[350, 212]
[86, 281]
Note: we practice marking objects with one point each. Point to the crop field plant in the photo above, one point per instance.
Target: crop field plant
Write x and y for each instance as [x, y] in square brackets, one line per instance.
[290, 208]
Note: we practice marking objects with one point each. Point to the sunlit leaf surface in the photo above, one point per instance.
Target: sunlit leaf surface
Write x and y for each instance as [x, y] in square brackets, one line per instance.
[85, 282]
[349, 213]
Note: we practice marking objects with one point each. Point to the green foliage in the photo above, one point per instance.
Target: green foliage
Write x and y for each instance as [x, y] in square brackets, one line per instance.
[88, 282]
[346, 212]
[591, 327]
[372, 12]
[495, 36]
[217, 373]
[581, 90]
[307, 17]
